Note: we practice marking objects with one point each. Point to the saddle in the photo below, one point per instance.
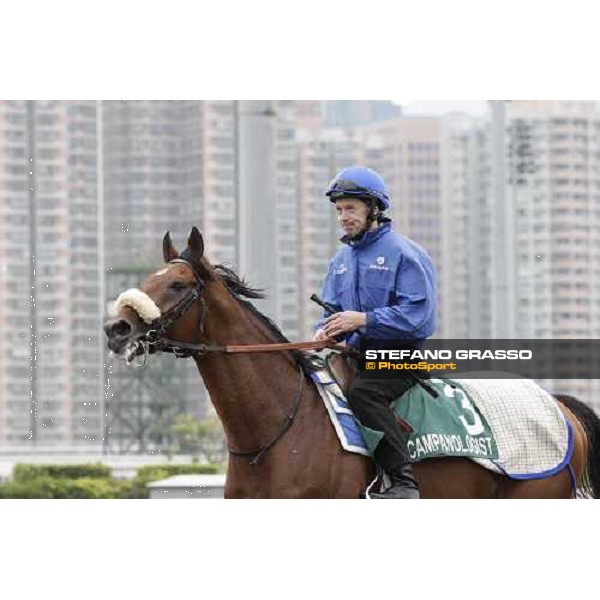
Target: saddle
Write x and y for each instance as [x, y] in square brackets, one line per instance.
[343, 369]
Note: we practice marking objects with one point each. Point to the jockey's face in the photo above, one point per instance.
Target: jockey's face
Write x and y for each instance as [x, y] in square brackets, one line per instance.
[352, 216]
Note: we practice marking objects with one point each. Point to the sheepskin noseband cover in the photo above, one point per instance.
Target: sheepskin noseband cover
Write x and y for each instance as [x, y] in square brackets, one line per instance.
[143, 305]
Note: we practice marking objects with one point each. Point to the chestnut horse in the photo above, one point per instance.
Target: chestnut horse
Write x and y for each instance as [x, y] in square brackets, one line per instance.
[281, 441]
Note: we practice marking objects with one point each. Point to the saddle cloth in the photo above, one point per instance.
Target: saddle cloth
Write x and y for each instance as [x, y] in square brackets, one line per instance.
[532, 436]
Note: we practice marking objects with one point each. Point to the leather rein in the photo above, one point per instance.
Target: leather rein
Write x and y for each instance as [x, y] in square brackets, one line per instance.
[155, 338]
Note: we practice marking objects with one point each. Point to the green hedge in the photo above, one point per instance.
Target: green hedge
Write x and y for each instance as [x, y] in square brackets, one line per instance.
[153, 472]
[51, 487]
[24, 472]
[89, 481]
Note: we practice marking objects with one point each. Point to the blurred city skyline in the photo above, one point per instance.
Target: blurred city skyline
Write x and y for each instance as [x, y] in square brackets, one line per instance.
[443, 107]
[507, 203]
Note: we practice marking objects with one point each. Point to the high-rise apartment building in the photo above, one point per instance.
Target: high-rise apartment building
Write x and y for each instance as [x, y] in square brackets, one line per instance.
[50, 371]
[268, 206]
[466, 223]
[153, 177]
[321, 153]
[554, 162]
[555, 165]
[550, 167]
[217, 194]
[154, 181]
[523, 190]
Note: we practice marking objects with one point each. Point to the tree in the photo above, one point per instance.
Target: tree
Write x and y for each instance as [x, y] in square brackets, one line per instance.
[200, 438]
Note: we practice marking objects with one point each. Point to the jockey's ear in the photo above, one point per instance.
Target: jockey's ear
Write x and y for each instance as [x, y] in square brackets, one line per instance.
[169, 251]
[196, 244]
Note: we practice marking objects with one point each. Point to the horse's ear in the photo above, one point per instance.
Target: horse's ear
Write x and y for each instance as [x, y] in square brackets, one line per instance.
[169, 251]
[196, 244]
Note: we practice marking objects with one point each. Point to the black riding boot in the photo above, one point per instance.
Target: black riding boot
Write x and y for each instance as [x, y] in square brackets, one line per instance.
[404, 486]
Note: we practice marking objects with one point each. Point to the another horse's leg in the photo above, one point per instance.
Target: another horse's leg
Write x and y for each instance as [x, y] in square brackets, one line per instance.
[455, 478]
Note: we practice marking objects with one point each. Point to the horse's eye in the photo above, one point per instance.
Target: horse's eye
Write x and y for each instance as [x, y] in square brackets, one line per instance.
[178, 286]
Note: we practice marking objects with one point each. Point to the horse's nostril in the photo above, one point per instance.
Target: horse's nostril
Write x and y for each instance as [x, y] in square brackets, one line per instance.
[120, 328]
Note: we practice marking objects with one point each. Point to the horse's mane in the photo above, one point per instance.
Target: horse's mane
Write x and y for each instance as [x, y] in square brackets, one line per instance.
[240, 290]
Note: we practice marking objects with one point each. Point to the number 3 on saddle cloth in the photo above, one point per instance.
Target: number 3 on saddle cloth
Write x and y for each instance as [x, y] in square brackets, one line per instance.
[510, 426]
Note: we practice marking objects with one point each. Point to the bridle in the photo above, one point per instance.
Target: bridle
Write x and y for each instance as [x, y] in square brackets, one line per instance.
[156, 339]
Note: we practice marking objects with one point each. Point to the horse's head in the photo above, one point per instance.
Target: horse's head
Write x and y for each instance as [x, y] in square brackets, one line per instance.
[165, 304]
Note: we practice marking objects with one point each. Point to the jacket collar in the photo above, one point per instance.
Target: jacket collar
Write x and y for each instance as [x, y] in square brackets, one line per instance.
[369, 237]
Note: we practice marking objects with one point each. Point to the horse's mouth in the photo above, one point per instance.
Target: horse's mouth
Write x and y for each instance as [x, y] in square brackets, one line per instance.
[118, 346]
[129, 350]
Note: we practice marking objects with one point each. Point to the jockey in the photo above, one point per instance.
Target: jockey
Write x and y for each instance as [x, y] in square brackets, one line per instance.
[384, 286]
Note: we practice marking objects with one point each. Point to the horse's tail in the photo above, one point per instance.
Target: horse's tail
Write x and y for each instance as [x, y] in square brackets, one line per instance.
[590, 484]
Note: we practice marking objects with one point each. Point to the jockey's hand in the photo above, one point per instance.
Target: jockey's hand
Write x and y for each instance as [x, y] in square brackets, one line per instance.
[320, 336]
[344, 322]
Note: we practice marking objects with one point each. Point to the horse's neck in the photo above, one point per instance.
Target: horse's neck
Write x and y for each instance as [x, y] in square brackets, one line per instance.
[251, 392]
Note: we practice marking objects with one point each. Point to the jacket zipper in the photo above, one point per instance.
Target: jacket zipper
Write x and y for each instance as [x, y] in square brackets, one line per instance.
[356, 282]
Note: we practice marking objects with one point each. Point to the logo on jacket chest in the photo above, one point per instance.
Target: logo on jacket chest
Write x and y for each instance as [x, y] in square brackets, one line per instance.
[379, 264]
[340, 270]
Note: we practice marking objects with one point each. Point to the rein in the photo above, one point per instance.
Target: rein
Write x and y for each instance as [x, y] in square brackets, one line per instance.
[156, 339]
[183, 350]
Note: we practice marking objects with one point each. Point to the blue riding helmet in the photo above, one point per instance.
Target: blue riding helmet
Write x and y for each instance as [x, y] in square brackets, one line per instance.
[360, 182]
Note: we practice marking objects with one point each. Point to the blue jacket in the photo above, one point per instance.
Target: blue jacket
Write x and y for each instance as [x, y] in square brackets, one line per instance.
[389, 277]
